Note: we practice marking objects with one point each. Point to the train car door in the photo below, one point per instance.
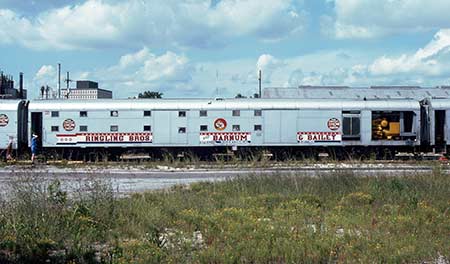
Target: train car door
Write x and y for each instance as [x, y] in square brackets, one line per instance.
[162, 126]
[36, 126]
[439, 125]
[22, 126]
[425, 125]
[272, 125]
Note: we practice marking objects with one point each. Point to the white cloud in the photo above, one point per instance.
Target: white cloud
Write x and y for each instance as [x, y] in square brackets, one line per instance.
[33, 6]
[14, 27]
[84, 75]
[268, 65]
[45, 72]
[143, 70]
[432, 60]
[428, 66]
[295, 78]
[136, 72]
[109, 23]
[337, 29]
[368, 18]
[70, 27]
[173, 74]
[267, 19]
[168, 67]
[321, 68]
[45, 76]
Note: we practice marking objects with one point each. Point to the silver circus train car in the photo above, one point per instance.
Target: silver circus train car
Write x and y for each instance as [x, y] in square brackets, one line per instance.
[232, 122]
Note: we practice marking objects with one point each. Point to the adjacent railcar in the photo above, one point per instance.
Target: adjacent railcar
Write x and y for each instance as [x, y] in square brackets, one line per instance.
[12, 123]
[439, 120]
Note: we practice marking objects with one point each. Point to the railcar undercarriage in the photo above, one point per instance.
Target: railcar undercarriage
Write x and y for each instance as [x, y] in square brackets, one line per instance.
[227, 153]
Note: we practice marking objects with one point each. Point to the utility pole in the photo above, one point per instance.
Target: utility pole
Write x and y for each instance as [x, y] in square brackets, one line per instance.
[68, 80]
[259, 80]
[59, 80]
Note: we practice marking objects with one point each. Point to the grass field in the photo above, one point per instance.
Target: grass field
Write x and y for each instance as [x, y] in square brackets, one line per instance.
[259, 219]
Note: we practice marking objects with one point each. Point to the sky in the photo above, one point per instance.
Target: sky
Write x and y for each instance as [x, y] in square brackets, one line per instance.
[215, 48]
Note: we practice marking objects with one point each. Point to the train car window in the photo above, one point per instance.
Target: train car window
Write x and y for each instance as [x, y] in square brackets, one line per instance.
[55, 128]
[236, 112]
[258, 112]
[181, 113]
[356, 126]
[258, 127]
[55, 114]
[83, 128]
[236, 128]
[203, 128]
[351, 127]
[408, 119]
[181, 130]
[114, 113]
[114, 128]
[203, 113]
[83, 113]
[147, 113]
[147, 128]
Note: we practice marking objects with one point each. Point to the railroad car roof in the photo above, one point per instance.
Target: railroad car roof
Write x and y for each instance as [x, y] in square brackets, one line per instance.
[227, 104]
[9, 105]
[440, 103]
[358, 93]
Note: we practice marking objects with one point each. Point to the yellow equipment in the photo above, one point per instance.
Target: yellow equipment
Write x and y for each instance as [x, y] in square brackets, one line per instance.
[393, 131]
[383, 129]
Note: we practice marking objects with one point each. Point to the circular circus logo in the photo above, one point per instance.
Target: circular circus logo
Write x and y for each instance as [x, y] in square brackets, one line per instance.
[220, 124]
[69, 124]
[4, 120]
[333, 123]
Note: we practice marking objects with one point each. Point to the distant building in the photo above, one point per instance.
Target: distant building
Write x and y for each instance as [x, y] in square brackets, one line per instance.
[87, 85]
[86, 90]
[7, 90]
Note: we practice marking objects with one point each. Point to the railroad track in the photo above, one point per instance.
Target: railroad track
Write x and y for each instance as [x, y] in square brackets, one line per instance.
[165, 171]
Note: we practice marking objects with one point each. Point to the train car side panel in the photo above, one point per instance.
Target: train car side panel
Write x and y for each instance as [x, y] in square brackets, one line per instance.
[319, 128]
[272, 127]
[95, 128]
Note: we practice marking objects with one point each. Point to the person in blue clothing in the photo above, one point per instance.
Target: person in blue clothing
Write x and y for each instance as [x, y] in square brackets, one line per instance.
[34, 146]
